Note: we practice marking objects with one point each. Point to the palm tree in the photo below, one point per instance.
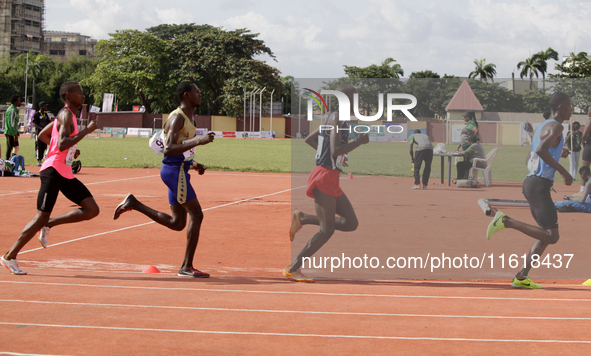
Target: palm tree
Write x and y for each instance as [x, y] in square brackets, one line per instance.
[483, 70]
[542, 57]
[530, 66]
[37, 65]
[395, 70]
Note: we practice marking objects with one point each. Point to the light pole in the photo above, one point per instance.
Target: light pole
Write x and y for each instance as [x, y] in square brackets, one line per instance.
[27, 67]
[250, 117]
[261, 112]
[271, 113]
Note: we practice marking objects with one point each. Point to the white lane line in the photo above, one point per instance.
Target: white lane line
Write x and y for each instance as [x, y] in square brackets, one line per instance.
[21, 354]
[152, 176]
[101, 182]
[327, 294]
[152, 222]
[192, 331]
[109, 305]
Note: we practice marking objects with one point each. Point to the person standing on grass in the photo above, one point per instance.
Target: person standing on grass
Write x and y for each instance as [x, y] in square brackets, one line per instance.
[323, 186]
[11, 122]
[40, 120]
[424, 153]
[574, 136]
[62, 135]
[546, 150]
[180, 139]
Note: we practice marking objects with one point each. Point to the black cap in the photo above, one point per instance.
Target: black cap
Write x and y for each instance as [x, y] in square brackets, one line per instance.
[42, 104]
[469, 114]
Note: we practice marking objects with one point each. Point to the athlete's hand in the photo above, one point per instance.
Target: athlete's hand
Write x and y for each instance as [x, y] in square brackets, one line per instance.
[76, 154]
[207, 138]
[568, 179]
[199, 168]
[565, 152]
[363, 139]
[92, 126]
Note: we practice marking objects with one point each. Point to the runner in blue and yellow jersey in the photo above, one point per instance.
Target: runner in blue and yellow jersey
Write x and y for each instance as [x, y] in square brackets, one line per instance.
[179, 149]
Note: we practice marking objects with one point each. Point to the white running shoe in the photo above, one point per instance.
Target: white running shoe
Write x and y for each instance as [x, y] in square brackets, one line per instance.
[12, 266]
[43, 233]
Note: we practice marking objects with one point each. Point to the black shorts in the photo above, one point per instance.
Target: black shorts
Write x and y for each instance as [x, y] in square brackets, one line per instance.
[52, 183]
[587, 153]
[12, 140]
[537, 193]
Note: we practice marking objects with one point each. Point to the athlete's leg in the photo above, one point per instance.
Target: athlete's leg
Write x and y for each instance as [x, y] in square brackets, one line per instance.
[326, 207]
[537, 249]
[88, 209]
[428, 158]
[417, 166]
[347, 221]
[548, 236]
[193, 208]
[27, 234]
[176, 222]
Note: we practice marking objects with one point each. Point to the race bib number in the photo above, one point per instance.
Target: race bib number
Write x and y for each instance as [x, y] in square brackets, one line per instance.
[341, 160]
[157, 143]
[190, 153]
[71, 154]
[319, 148]
[533, 163]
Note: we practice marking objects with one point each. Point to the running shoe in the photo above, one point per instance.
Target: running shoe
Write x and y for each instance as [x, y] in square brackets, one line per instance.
[495, 225]
[296, 225]
[527, 283]
[192, 272]
[43, 233]
[297, 276]
[587, 282]
[424, 187]
[416, 186]
[121, 208]
[12, 266]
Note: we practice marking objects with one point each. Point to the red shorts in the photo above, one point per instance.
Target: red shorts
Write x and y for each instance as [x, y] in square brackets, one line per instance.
[326, 180]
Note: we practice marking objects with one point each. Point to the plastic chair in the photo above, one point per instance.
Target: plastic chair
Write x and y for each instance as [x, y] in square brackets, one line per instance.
[486, 172]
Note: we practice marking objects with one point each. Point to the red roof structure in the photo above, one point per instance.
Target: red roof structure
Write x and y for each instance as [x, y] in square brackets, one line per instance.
[464, 100]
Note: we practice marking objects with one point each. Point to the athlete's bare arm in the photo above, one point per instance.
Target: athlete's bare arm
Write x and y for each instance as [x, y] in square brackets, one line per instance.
[312, 138]
[587, 129]
[173, 129]
[336, 147]
[66, 127]
[45, 134]
[550, 136]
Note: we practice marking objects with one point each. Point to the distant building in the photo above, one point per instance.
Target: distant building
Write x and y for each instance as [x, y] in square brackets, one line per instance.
[62, 46]
[21, 26]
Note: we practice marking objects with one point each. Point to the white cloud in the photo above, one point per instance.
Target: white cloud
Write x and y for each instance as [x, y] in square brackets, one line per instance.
[173, 15]
[312, 41]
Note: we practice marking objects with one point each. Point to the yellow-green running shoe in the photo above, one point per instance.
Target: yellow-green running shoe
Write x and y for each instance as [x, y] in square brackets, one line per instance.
[495, 225]
[527, 283]
[587, 282]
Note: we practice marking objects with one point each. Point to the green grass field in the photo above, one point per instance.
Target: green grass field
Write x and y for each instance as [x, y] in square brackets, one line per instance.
[282, 156]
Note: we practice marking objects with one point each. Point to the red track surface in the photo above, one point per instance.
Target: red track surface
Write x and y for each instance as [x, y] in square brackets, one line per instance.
[89, 297]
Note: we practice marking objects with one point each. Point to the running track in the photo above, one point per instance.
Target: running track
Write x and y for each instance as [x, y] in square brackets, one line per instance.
[86, 295]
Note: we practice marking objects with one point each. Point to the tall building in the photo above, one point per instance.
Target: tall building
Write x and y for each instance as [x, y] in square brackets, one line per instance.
[61, 46]
[21, 26]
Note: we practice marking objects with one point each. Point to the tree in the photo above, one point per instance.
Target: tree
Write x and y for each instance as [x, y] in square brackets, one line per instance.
[575, 66]
[543, 57]
[388, 69]
[424, 74]
[530, 66]
[483, 70]
[222, 64]
[135, 66]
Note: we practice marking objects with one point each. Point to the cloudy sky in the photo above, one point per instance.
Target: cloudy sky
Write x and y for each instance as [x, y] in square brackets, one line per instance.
[316, 38]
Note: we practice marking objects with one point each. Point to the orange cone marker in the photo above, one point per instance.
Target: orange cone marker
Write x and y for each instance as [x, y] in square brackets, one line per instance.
[350, 175]
[151, 269]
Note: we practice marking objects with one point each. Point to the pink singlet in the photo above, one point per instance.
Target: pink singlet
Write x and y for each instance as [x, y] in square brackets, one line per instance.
[57, 158]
